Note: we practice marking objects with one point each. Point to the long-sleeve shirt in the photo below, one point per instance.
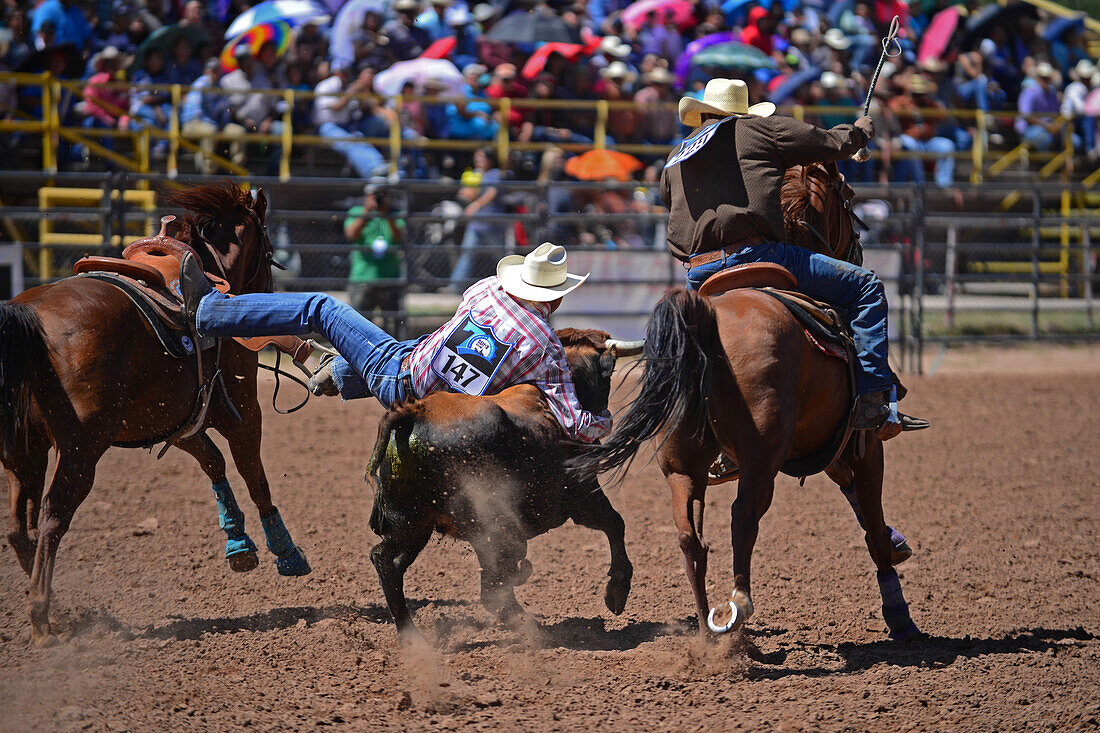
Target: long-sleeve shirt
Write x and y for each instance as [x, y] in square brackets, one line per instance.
[536, 356]
[728, 190]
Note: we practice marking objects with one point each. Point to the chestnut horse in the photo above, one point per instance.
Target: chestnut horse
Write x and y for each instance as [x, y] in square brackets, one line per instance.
[736, 374]
[81, 370]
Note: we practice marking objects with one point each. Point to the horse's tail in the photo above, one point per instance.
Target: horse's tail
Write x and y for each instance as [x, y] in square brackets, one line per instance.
[680, 343]
[22, 346]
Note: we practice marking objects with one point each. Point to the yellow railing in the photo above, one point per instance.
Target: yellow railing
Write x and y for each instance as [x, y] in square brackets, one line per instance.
[139, 141]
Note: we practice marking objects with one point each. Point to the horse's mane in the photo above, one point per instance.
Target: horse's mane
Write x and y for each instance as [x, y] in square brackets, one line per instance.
[795, 198]
[207, 203]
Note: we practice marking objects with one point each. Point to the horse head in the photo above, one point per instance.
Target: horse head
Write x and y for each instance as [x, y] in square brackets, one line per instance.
[226, 226]
[817, 211]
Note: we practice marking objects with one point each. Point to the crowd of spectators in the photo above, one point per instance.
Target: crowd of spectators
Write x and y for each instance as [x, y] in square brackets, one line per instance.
[1014, 65]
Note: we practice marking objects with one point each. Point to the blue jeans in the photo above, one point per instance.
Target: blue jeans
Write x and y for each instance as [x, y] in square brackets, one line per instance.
[913, 168]
[370, 359]
[364, 157]
[477, 237]
[854, 291]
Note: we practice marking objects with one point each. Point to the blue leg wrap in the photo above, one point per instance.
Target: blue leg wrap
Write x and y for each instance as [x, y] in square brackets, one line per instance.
[897, 539]
[290, 559]
[231, 520]
[894, 608]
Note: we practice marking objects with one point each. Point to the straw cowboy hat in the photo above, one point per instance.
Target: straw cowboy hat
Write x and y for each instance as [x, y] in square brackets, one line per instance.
[726, 97]
[541, 276]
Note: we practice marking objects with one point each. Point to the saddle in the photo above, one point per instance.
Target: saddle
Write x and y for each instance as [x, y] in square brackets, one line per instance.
[821, 325]
[148, 273]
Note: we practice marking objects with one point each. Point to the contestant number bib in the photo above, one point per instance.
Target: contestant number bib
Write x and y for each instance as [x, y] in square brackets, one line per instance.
[693, 145]
[470, 356]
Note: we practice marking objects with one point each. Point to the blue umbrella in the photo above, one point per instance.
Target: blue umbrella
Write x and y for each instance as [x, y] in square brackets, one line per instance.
[791, 84]
[292, 12]
[1060, 26]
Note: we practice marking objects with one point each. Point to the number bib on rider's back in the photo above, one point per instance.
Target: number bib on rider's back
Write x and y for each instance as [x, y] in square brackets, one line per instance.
[693, 145]
[469, 357]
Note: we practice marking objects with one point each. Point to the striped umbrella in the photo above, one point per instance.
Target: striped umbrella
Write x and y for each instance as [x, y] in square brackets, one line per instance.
[293, 12]
[254, 38]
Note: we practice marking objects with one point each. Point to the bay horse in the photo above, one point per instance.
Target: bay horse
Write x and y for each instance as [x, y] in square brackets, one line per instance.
[81, 370]
[736, 374]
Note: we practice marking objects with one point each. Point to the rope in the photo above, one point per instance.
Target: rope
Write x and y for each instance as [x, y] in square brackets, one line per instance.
[891, 37]
[279, 372]
[863, 155]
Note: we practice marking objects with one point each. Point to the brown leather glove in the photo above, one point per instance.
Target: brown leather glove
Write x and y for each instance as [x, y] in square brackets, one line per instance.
[867, 126]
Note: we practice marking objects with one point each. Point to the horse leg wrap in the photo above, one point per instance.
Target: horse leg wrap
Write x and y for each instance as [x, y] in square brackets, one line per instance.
[290, 559]
[894, 608]
[231, 520]
[897, 539]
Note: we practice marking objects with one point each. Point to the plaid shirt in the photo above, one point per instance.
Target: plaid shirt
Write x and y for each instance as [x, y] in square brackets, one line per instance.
[537, 356]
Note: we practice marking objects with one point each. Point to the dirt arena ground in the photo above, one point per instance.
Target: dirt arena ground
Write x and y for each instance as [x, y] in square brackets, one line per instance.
[999, 502]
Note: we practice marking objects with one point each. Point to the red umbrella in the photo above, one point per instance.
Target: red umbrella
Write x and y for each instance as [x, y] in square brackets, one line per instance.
[599, 165]
[934, 41]
[537, 62]
[441, 49]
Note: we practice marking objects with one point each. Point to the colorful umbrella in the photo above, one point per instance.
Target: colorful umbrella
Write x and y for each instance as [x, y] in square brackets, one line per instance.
[533, 26]
[935, 39]
[733, 56]
[683, 64]
[254, 38]
[294, 12]
[599, 165]
[347, 21]
[389, 82]
[683, 12]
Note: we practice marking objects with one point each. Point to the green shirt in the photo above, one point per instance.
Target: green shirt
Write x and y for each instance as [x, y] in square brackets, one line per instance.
[365, 264]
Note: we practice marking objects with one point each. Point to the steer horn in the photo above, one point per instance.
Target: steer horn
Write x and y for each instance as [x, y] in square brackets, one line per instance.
[625, 348]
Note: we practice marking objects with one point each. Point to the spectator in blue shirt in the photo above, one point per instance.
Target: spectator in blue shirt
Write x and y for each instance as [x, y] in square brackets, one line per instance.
[69, 23]
[205, 114]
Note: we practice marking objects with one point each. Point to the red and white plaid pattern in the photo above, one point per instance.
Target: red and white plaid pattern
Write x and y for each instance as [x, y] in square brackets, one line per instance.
[537, 356]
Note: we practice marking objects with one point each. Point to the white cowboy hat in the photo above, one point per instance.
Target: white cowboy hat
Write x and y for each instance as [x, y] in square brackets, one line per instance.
[724, 97]
[614, 46]
[618, 70]
[541, 276]
[658, 75]
[835, 38]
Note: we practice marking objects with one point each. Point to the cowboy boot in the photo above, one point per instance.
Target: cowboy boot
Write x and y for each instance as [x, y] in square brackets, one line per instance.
[872, 410]
[193, 287]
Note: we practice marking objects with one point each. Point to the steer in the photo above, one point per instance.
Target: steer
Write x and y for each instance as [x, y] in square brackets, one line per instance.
[489, 470]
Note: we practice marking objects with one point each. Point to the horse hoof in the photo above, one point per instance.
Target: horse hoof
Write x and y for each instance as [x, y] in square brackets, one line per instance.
[615, 596]
[734, 622]
[293, 564]
[242, 562]
[906, 634]
[44, 640]
[901, 553]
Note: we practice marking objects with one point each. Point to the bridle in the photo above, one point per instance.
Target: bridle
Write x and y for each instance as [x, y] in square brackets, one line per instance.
[263, 264]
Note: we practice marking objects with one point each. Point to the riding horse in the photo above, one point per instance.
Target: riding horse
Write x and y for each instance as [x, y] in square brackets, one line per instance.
[736, 373]
[81, 370]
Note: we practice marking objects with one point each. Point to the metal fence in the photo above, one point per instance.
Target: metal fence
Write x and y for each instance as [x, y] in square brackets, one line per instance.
[992, 262]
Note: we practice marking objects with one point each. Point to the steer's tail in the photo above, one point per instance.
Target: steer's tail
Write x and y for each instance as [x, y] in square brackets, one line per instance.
[681, 342]
[399, 419]
[22, 351]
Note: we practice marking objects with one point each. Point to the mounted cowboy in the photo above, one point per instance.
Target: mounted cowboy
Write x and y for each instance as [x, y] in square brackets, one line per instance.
[722, 189]
[499, 336]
